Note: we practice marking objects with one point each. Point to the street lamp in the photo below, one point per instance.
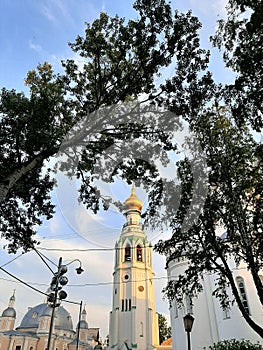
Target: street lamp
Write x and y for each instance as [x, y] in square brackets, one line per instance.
[188, 324]
[59, 279]
[79, 269]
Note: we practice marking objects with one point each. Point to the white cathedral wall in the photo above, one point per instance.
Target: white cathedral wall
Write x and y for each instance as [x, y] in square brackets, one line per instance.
[203, 331]
[235, 326]
[210, 324]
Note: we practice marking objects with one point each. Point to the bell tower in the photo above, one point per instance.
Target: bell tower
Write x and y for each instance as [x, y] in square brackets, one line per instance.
[133, 319]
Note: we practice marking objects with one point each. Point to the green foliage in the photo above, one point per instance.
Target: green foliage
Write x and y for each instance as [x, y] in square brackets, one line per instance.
[234, 202]
[120, 60]
[241, 38]
[234, 160]
[164, 329]
[30, 132]
[235, 345]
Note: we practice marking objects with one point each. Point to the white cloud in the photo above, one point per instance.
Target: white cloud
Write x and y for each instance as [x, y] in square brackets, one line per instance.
[61, 7]
[35, 47]
[48, 13]
[208, 7]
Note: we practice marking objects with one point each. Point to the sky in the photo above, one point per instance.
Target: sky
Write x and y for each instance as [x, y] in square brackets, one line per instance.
[32, 32]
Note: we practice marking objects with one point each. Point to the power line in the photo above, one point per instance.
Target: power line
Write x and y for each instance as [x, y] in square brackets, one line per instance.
[12, 260]
[21, 281]
[35, 289]
[91, 284]
[89, 249]
[76, 250]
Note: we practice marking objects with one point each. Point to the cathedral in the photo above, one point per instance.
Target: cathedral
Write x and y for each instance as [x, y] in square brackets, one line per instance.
[212, 323]
[32, 334]
[133, 319]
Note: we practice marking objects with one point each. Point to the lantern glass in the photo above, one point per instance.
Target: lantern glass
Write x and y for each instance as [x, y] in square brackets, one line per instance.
[188, 322]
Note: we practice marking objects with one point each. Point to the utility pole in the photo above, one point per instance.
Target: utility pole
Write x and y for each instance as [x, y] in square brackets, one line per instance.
[53, 297]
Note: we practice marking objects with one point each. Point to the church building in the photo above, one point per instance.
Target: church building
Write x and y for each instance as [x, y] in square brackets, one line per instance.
[33, 332]
[212, 323]
[133, 319]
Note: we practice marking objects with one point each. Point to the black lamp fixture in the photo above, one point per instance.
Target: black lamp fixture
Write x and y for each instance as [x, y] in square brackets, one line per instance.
[79, 269]
[188, 324]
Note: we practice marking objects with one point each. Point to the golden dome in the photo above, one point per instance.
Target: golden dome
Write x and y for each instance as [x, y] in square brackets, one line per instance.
[133, 202]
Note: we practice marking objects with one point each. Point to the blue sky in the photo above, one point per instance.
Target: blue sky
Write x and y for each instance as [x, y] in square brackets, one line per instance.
[32, 32]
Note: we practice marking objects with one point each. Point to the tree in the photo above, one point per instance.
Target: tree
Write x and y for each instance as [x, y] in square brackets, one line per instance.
[233, 201]
[241, 38]
[164, 329]
[234, 160]
[120, 61]
[235, 345]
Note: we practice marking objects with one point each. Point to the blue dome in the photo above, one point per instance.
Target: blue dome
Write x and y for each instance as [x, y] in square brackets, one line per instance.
[62, 317]
[9, 312]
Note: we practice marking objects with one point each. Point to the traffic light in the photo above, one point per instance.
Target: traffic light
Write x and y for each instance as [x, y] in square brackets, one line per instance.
[58, 280]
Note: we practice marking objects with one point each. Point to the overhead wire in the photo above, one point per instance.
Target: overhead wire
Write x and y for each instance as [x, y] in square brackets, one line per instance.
[43, 257]
[88, 284]
[13, 259]
[33, 288]
[88, 249]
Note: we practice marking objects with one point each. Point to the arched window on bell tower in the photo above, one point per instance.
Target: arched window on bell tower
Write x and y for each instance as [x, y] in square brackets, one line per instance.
[127, 254]
[139, 252]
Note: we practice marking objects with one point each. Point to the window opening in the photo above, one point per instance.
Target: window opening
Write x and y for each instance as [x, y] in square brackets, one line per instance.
[122, 304]
[189, 305]
[127, 253]
[141, 324]
[226, 313]
[139, 253]
[242, 291]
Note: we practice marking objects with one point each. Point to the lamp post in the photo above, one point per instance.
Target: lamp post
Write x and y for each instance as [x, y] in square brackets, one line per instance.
[57, 293]
[188, 324]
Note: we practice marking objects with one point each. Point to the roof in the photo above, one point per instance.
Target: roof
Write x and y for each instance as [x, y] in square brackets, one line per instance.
[167, 341]
[133, 202]
[83, 324]
[62, 317]
[9, 312]
[16, 333]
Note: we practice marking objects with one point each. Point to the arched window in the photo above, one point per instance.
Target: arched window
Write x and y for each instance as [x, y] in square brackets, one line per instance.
[226, 313]
[242, 292]
[141, 329]
[127, 253]
[188, 305]
[139, 252]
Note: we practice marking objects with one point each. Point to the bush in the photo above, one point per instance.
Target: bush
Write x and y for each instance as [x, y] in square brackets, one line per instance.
[235, 345]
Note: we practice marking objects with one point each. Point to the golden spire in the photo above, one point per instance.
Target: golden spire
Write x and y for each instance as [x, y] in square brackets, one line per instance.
[133, 202]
